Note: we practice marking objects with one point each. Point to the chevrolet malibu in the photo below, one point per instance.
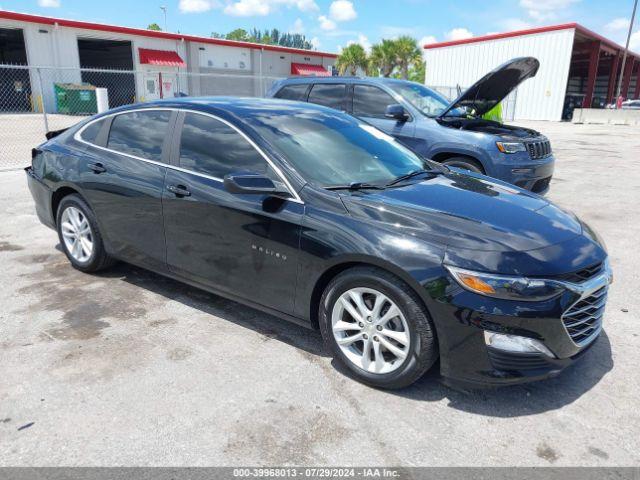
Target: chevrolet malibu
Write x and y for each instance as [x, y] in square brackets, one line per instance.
[316, 217]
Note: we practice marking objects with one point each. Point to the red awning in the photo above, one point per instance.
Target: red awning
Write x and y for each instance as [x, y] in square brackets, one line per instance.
[164, 58]
[306, 70]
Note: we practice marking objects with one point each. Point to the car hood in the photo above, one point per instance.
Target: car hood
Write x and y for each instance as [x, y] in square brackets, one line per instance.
[491, 89]
[466, 211]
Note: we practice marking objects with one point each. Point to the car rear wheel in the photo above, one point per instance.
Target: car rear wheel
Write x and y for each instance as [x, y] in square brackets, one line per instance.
[377, 328]
[79, 235]
[464, 163]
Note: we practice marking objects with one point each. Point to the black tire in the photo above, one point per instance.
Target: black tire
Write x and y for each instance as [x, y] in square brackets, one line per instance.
[465, 163]
[99, 259]
[423, 348]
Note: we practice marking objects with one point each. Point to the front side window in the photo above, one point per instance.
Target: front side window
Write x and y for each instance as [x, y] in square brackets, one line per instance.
[429, 102]
[293, 92]
[369, 101]
[209, 146]
[328, 94]
[332, 149]
[140, 133]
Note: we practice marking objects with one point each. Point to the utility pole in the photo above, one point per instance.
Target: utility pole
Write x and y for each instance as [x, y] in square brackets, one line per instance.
[626, 50]
[164, 10]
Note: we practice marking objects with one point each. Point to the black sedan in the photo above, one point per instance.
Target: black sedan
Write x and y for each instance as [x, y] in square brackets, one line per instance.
[314, 216]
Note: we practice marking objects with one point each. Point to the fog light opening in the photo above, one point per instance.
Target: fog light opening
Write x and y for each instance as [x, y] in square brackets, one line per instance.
[515, 343]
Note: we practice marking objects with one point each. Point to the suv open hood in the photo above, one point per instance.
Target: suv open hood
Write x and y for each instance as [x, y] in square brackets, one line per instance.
[491, 89]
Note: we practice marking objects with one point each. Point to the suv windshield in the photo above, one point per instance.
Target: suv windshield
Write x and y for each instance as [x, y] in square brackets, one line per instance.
[331, 149]
[429, 102]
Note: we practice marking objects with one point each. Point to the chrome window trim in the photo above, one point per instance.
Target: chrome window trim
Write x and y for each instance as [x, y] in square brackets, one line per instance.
[78, 137]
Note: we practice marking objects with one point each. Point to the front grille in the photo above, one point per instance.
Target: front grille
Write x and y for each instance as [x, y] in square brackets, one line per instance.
[583, 320]
[539, 149]
[582, 275]
[509, 361]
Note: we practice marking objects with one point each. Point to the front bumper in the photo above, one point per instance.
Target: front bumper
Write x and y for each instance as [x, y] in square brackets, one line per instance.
[519, 169]
[462, 317]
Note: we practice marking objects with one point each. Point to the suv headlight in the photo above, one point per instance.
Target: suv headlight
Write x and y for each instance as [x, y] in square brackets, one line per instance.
[504, 286]
[511, 147]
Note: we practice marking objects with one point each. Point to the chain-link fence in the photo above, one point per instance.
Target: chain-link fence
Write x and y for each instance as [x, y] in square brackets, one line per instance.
[34, 100]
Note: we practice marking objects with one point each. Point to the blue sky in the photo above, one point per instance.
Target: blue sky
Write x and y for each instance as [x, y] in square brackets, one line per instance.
[333, 24]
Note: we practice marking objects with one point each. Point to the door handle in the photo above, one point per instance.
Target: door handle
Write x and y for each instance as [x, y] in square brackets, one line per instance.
[179, 190]
[97, 167]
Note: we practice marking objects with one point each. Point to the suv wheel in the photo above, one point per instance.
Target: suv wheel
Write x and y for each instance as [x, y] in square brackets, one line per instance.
[79, 235]
[464, 163]
[377, 328]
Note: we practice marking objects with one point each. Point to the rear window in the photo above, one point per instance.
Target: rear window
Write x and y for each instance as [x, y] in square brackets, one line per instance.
[293, 92]
[328, 94]
[140, 133]
[91, 131]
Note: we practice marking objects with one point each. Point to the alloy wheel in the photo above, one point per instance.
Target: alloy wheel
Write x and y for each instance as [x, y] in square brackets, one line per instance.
[370, 330]
[77, 234]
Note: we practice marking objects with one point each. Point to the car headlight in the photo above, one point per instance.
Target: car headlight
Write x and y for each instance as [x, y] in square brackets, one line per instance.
[506, 287]
[511, 147]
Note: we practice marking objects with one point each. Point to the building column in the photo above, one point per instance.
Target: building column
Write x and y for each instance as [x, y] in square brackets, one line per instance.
[594, 57]
[627, 76]
[613, 76]
[636, 94]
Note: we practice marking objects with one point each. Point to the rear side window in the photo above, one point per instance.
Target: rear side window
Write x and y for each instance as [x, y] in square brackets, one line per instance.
[329, 95]
[209, 146]
[140, 133]
[90, 133]
[293, 92]
[369, 101]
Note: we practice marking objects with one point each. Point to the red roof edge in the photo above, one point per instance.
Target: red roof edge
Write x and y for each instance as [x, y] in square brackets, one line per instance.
[531, 31]
[27, 17]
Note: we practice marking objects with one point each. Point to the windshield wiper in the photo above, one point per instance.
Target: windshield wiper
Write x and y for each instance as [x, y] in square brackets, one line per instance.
[412, 174]
[355, 186]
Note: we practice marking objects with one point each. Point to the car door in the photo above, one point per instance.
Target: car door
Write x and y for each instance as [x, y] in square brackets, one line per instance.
[242, 244]
[122, 176]
[370, 104]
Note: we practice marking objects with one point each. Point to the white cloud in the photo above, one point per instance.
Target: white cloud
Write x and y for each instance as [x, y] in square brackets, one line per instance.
[426, 40]
[617, 24]
[342, 11]
[250, 8]
[511, 24]
[362, 40]
[458, 34]
[543, 10]
[196, 6]
[326, 23]
[315, 41]
[298, 26]
[49, 3]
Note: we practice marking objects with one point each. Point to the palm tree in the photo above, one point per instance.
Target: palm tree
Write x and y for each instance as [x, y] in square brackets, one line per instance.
[384, 57]
[351, 59]
[407, 53]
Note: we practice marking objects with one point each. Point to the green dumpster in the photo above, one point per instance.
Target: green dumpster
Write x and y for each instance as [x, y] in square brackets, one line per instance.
[75, 99]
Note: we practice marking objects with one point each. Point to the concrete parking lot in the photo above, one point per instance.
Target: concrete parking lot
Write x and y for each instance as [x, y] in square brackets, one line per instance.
[129, 368]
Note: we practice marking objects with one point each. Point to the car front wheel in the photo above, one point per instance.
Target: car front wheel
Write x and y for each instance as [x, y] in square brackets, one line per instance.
[377, 328]
[465, 164]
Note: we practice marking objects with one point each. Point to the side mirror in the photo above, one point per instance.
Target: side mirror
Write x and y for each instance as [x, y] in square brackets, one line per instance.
[254, 183]
[396, 112]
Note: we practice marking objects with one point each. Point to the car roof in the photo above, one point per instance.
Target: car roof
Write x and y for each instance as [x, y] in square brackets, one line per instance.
[339, 79]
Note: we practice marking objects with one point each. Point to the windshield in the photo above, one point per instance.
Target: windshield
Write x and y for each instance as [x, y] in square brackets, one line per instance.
[428, 101]
[331, 149]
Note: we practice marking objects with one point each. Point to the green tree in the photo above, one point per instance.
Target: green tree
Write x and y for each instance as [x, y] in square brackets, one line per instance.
[407, 53]
[351, 59]
[417, 71]
[154, 26]
[383, 58]
[239, 34]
